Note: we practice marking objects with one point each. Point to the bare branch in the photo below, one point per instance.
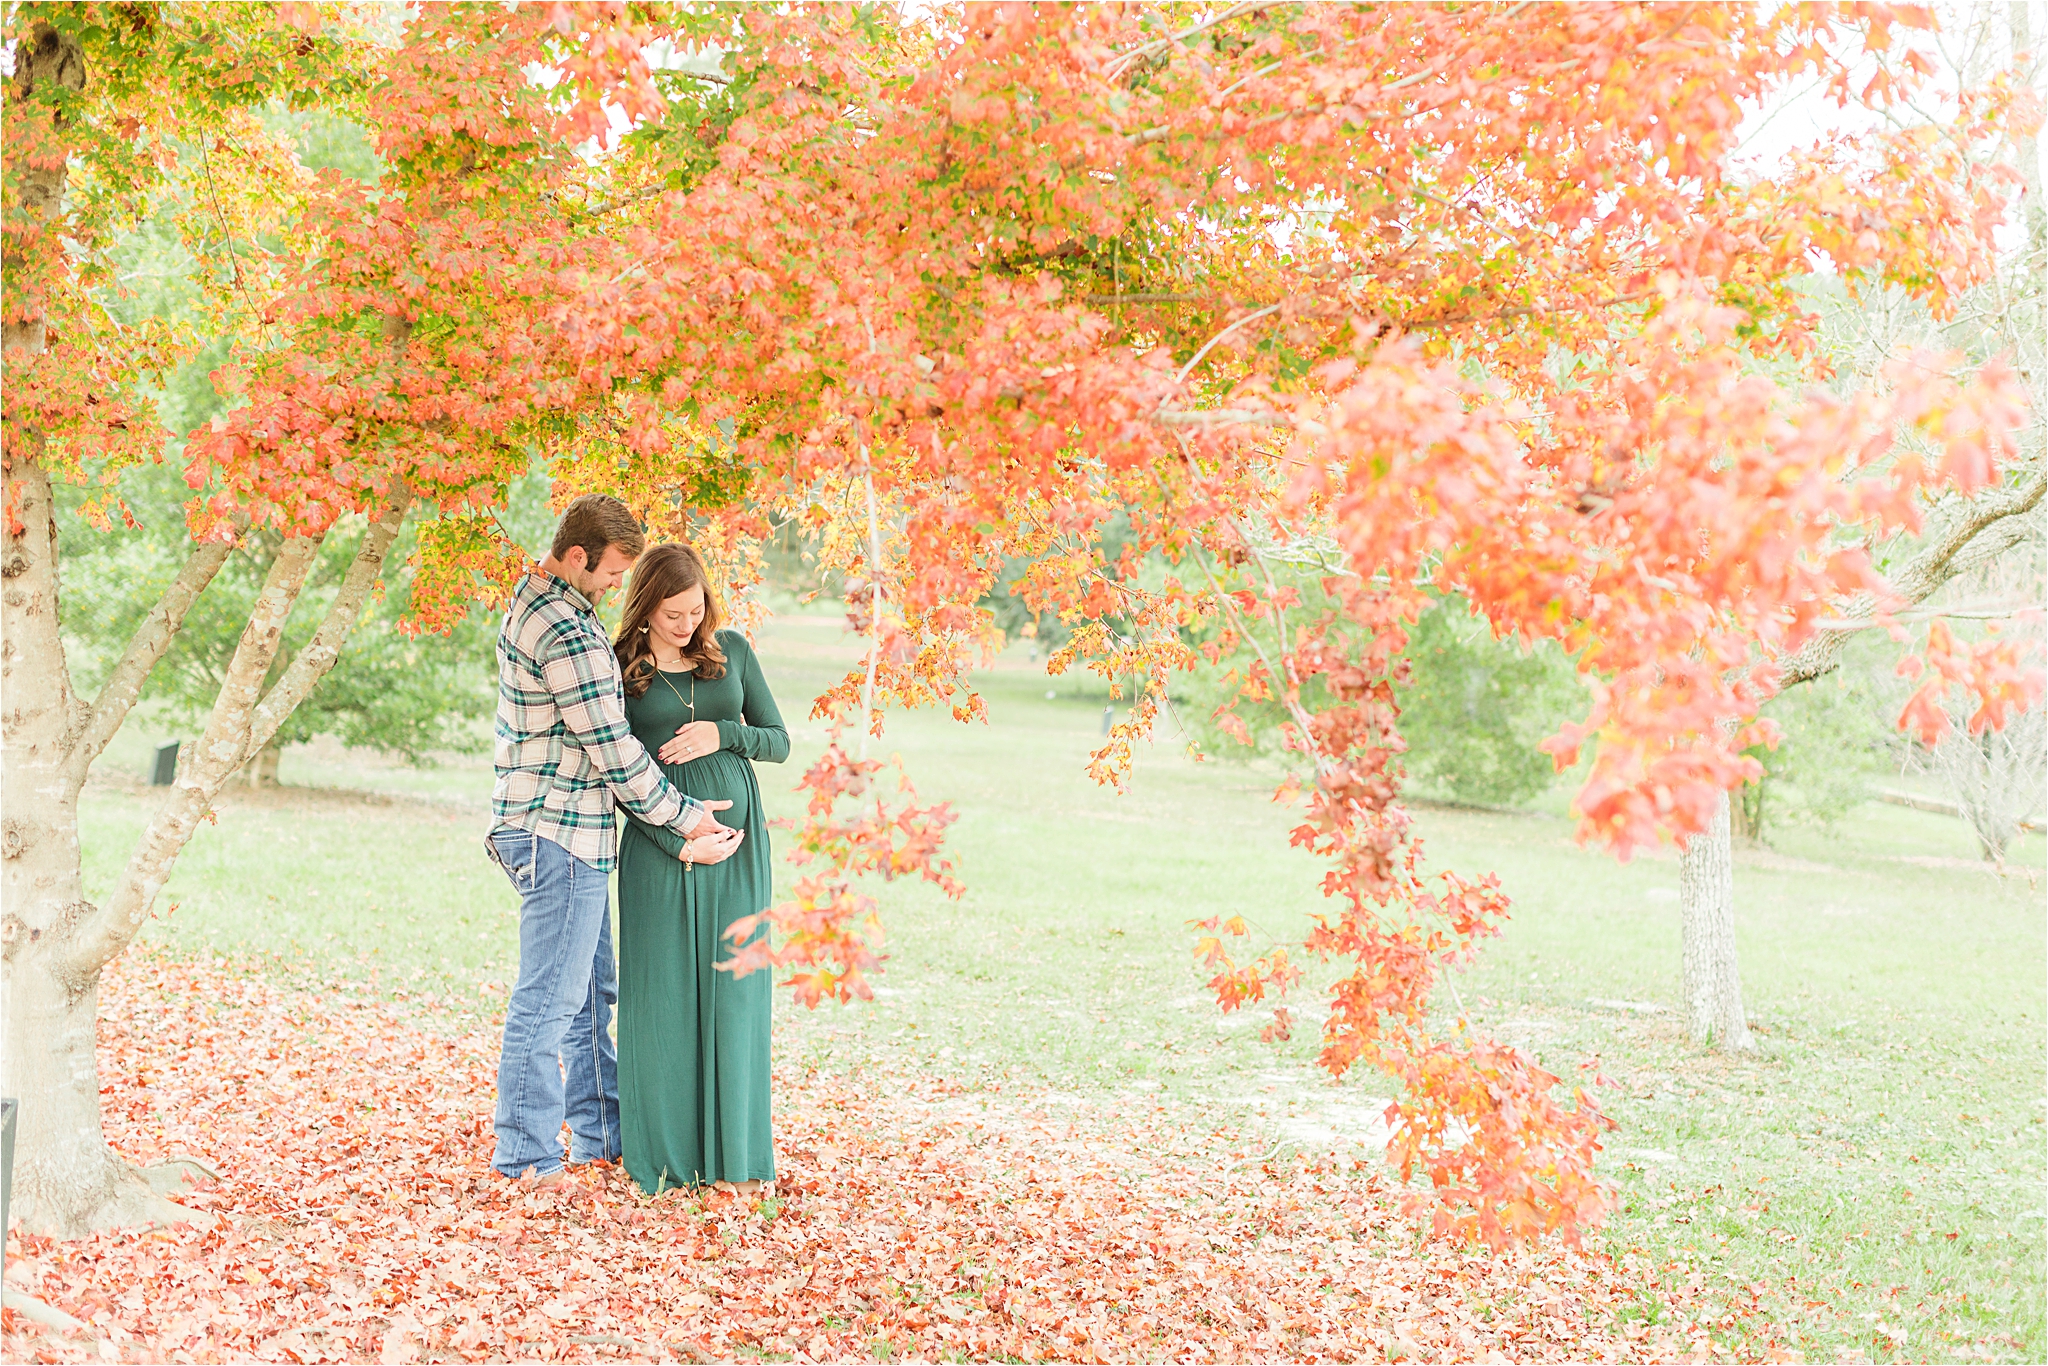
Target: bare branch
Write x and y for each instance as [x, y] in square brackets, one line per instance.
[1159, 299]
[1339, 310]
[117, 696]
[1936, 562]
[1227, 91]
[1290, 695]
[228, 237]
[313, 662]
[867, 691]
[1196, 359]
[625, 201]
[1521, 311]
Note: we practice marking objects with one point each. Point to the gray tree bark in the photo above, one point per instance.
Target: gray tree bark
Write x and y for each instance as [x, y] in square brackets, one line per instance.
[1706, 892]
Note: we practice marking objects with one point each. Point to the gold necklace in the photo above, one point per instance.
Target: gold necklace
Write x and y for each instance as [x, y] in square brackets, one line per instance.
[691, 700]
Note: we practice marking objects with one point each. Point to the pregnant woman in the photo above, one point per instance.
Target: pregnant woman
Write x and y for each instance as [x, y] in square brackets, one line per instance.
[693, 1041]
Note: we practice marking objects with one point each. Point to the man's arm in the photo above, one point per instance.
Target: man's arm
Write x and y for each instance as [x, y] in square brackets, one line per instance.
[580, 678]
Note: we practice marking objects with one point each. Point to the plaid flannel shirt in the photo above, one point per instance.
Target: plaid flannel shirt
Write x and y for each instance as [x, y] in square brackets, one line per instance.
[564, 752]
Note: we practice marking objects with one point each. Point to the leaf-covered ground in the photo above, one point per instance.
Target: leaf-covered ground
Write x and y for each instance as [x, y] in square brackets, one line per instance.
[359, 1220]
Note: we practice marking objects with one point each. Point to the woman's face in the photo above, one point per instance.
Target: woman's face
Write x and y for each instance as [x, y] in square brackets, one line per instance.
[676, 619]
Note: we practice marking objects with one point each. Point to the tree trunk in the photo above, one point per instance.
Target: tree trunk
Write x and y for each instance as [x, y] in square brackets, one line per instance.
[1746, 811]
[53, 942]
[65, 1178]
[262, 769]
[1706, 891]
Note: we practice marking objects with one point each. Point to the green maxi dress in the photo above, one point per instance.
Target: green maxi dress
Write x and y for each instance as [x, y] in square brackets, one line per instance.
[693, 1041]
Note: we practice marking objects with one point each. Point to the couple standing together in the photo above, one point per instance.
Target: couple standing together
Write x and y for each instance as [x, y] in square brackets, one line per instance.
[683, 1099]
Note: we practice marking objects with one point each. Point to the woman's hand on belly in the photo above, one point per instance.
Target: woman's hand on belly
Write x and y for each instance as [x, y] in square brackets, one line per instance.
[692, 741]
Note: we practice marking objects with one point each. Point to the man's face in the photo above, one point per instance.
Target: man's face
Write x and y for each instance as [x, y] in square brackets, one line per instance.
[594, 583]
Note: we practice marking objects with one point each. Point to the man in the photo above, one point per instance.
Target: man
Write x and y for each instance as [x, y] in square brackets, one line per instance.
[564, 756]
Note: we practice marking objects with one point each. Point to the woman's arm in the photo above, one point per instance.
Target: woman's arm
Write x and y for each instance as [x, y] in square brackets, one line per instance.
[762, 736]
[665, 839]
[708, 848]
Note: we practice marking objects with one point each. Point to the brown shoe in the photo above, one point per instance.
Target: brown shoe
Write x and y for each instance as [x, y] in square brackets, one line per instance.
[531, 1180]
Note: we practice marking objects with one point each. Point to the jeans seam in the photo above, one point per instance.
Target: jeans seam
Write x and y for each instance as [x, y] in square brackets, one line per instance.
[604, 1123]
[524, 1076]
[592, 1004]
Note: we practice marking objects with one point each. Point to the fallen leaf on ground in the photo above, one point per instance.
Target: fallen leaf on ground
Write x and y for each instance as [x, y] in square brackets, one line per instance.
[360, 1221]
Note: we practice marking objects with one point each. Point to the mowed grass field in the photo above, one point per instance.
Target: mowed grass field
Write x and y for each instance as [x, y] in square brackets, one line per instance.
[1873, 1175]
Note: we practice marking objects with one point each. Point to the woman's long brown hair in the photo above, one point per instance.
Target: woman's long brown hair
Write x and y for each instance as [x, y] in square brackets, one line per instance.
[663, 572]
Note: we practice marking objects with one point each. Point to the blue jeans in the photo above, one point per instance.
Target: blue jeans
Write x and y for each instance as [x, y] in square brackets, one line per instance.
[558, 1062]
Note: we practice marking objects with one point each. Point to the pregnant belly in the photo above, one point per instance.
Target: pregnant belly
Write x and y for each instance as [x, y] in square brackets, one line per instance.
[720, 777]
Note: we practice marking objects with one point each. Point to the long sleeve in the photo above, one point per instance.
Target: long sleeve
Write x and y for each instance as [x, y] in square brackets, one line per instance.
[761, 736]
[665, 839]
[586, 691]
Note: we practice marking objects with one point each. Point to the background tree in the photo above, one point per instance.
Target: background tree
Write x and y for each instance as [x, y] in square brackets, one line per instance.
[1871, 332]
[1996, 775]
[1473, 708]
[1834, 740]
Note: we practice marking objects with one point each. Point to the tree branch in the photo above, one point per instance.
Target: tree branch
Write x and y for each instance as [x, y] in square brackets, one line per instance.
[1220, 417]
[867, 691]
[1951, 550]
[117, 696]
[1162, 299]
[220, 752]
[1937, 561]
[1196, 359]
[623, 201]
[1125, 61]
[313, 662]
[1338, 310]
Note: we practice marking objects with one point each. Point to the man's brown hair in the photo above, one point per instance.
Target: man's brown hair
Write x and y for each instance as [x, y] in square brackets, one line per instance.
[597, 520]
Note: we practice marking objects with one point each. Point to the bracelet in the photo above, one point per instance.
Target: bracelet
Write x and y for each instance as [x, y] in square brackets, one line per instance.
[689, 859]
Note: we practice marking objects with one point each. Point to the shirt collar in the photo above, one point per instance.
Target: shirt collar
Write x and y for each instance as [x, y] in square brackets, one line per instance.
[548, 583]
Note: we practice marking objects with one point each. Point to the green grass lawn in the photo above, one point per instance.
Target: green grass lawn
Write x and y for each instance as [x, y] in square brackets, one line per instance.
[1874, 1173]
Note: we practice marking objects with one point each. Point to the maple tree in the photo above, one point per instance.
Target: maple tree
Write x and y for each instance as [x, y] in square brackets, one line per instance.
[1468, 293]
[385, 348]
